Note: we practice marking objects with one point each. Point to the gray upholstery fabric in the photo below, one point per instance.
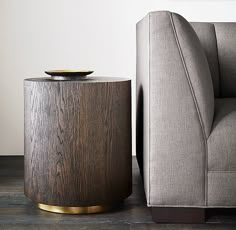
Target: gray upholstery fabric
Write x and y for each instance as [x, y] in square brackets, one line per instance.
[207, 37]
[197, 70]
[226, 42]
[222, 189]
[218, 43]
[222, 141]
[181, 106]
[187, 156]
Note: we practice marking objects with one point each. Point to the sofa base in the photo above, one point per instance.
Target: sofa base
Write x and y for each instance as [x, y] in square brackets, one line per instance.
[178, 215]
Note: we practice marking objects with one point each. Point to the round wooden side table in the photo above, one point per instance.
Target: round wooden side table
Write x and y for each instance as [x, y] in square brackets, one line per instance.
[77, 143]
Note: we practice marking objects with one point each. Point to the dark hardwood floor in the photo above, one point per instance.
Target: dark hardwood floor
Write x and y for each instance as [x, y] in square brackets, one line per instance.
[17, 212]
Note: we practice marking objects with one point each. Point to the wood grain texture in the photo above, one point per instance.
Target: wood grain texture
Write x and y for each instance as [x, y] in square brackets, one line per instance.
[77, 142]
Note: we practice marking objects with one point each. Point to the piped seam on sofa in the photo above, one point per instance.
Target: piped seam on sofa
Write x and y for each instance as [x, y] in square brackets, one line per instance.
[217, 53]
[222, 171]
[149, 182]
[195, 102]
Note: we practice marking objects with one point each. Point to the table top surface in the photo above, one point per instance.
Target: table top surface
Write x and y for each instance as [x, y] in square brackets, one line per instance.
[91, 79]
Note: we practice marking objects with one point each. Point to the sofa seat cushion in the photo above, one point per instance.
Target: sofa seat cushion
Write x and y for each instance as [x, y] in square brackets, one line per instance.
[221, 189]
[222, 140]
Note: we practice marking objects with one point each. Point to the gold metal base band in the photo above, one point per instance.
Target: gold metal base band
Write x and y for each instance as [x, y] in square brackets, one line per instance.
[74, 210]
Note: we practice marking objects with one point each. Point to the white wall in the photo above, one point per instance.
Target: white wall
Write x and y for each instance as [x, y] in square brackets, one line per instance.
[37, 35]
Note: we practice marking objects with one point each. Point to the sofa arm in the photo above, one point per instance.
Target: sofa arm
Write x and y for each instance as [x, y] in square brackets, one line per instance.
[175, 111]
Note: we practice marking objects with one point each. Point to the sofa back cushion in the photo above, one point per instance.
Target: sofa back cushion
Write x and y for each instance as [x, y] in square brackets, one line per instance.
[207, 37]
[226, 43]
[219, 43]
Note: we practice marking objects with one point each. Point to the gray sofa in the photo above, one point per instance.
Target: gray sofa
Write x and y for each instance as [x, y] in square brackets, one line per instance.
[186, 115]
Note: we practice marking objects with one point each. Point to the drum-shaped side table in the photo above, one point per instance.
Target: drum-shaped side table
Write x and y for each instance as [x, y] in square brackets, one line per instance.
[77, 143]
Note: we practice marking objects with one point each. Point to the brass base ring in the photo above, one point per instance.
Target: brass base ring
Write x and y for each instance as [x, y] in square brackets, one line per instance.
[74, 210]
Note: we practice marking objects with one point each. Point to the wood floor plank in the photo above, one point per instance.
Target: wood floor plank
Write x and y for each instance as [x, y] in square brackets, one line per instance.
[66, 227]
[29, 214]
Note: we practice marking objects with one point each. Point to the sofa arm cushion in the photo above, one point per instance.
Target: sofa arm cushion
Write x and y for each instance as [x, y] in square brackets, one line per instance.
[179, 100]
